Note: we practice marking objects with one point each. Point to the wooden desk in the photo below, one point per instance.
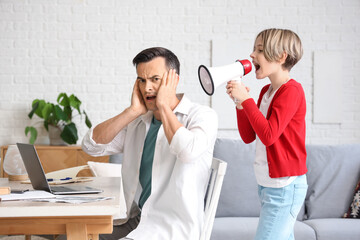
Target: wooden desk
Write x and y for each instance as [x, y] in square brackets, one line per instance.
[55, 158]
[77, 221]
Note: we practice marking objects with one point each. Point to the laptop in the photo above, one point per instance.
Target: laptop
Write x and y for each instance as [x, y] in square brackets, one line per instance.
[37, 176]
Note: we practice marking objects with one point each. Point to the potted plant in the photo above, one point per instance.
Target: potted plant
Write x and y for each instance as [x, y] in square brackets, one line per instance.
[57, 118]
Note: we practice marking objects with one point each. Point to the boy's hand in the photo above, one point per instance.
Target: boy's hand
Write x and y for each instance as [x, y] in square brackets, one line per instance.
[237, 90]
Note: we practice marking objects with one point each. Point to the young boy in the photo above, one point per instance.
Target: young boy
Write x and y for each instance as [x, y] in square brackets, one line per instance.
[277, 123]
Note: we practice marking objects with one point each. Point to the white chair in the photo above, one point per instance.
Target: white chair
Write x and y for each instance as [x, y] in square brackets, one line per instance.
[218, 170]
[100, 169]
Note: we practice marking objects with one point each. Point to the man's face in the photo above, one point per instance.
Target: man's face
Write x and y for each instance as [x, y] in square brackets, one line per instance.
[149, 76]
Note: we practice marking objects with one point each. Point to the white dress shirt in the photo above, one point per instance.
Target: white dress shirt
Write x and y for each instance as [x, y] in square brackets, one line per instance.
[175, 208]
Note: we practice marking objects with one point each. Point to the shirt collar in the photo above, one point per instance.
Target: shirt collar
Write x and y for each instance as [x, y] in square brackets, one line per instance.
[184, 105]
[147, 117]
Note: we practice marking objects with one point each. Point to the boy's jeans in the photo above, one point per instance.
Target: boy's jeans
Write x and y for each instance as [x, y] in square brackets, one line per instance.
[279, 209]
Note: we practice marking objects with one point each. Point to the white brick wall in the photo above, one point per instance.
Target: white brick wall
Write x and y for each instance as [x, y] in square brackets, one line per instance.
[86, 47]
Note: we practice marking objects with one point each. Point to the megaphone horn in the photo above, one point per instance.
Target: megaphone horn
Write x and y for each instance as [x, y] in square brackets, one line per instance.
[212, 77]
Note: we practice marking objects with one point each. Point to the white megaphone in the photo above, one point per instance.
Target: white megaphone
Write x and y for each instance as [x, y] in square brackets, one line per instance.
[212, 77]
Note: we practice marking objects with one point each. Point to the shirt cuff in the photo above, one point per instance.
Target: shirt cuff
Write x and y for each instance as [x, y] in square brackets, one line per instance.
[90, 146]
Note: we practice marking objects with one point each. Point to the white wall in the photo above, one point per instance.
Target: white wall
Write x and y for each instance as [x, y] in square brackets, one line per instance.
[86, 47]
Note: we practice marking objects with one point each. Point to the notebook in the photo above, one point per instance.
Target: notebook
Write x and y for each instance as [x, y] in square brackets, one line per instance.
[37, 176]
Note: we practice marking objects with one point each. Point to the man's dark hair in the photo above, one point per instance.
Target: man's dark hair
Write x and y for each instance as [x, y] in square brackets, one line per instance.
[172, 62]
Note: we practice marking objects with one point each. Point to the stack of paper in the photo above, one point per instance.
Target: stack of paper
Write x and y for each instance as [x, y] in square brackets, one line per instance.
[43, 196]
[71, 199]
[26, 195]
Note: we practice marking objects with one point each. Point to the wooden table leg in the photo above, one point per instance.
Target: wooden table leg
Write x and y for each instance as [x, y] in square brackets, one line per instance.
[93, 237]
[75, 227]
[76, 231]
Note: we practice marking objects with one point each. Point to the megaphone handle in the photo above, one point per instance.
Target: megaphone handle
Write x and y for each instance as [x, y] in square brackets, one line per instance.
[238, 81]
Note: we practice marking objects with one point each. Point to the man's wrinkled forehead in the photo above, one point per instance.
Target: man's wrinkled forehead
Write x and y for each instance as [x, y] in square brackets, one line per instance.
[155, 67]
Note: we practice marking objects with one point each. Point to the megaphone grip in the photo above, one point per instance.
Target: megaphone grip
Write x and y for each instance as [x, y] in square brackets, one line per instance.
[235, 99]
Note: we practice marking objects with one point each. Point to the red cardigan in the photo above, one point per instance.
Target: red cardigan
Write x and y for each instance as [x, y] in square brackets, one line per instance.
[282, 131]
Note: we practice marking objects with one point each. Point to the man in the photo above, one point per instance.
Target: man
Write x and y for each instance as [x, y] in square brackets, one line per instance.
[167, 143]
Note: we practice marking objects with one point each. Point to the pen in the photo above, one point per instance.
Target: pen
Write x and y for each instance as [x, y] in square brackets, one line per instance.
[61, 179]
[19, 190]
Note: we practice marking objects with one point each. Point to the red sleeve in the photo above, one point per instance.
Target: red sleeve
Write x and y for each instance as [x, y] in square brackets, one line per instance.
[281, 110]
[246, 131]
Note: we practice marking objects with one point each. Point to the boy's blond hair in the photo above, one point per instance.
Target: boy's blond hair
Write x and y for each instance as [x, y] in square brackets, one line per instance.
[277, 41]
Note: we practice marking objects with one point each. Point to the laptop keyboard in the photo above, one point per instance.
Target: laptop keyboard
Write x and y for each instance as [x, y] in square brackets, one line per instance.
[61, 189]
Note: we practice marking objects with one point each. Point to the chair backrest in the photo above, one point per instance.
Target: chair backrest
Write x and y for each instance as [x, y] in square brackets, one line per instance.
[218, 170]
[100, 169]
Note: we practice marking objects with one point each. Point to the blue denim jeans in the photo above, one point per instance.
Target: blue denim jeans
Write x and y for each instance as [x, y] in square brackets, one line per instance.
[279, 209]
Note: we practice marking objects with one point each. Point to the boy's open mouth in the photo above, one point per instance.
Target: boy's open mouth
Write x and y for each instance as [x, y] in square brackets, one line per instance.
[257, 66]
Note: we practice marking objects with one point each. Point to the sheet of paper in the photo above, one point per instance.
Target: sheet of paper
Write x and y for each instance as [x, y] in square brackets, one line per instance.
[71, 199]
[26, 195]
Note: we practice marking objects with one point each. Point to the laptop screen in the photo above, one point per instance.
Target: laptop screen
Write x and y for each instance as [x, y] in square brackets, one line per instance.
[33, 167]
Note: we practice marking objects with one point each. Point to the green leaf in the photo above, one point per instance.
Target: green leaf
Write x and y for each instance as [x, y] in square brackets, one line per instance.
[87, 120]
[33, 134]
[75, 102]
[63, 100]
[47, 110]
[68, 112]
[35, 105]
[38, 111]
[60, 114]
[69, 134]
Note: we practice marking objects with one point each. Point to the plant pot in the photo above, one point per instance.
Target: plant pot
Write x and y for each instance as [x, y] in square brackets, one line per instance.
[18, 177]
[54, 136]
